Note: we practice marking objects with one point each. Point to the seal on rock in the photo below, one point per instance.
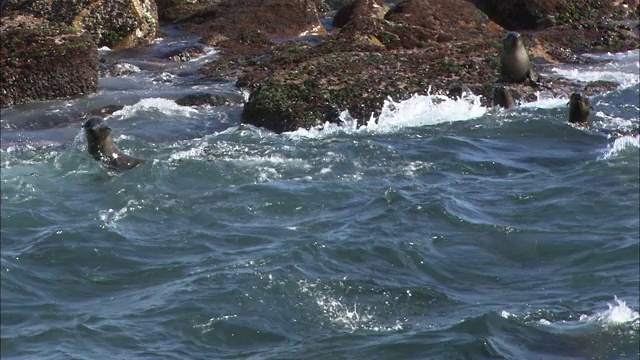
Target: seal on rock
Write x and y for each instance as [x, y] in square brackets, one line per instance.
[514, 60]
[502, 97]
[100, 145]
[579, 108]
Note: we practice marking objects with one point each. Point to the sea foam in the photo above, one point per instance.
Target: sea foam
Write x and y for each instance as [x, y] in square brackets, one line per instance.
[419, 110]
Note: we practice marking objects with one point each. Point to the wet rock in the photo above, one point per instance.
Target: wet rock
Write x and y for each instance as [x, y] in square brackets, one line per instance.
[40, 60]
[185, 54]
[114, 23]
[203, 99]
[106, 110]
[359, 8]
[113, 68]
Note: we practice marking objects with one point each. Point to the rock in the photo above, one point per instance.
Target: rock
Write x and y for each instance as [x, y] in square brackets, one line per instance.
[185, 54]
[203, 99]
[117, 24]
[41, 60]
[454, 19]
[539, 14]
[113, 68]
[106, 110]
[233, 19]
[359, 8]
[174, 10]
[331, 5]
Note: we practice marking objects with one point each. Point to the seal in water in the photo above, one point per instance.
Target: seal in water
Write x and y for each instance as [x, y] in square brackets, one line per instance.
[579, 108]
[502, 97]
[100, 145]
[514, 61]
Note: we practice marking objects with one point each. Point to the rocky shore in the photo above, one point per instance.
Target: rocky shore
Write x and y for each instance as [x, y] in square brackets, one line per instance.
[305, 61]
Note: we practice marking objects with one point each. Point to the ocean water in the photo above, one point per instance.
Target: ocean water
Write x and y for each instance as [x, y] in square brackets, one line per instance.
[441, 230]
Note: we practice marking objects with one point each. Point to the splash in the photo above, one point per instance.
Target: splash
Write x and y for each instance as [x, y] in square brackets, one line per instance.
[617, 314]
[620, 145]
[165, 106]
[419, 110]
[343, 315]
[546, 100]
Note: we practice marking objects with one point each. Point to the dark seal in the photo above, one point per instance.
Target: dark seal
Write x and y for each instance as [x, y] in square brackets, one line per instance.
[579, 108]
[100, 145]
[514, 61]
[502, 97]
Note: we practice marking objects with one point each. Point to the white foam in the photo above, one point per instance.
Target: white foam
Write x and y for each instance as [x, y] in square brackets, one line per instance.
[620, 145]
[546, 100]
[165, 106]
[419, 110]
[622, 68]
[617, 314]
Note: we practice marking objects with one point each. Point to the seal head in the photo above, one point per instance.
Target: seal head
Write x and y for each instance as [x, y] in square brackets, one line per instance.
[579, 108]
[514, 60]
[502, 97]
[101, 147]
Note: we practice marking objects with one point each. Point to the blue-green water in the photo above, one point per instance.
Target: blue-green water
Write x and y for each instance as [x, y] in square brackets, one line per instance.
[445, 231]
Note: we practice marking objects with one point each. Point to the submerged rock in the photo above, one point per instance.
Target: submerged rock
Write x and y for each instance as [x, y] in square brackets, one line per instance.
[203, 99]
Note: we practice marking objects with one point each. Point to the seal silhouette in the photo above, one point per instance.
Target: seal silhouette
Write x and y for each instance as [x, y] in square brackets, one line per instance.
[579, 108]
[100, 145]
[502, 97]
[514, 61]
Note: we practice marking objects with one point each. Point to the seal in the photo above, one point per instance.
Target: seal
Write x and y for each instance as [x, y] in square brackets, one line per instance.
[100, 145]
[502, 97]
[514, 60]
[579, 108]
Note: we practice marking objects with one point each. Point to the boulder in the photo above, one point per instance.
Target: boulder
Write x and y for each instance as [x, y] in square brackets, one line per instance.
[454, 19]
[174, 10]
[41, 60]
[117, 24]
[276, 19]
[359, 8]
[540, 14]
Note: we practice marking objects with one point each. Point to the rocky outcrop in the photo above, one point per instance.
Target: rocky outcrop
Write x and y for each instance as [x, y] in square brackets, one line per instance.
[234, 19]
[40, 60]
[453, 19]
[422, 46]
[174, 10]
[359, 8]
[539, 14]
[117, 24]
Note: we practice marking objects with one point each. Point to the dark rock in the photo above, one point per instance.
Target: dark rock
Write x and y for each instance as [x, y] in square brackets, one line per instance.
[203, 99]
[539, 14]
[331, 5]
[456, 19]
[232, 19]
[40, 60]
[359, 8]
[174, 10]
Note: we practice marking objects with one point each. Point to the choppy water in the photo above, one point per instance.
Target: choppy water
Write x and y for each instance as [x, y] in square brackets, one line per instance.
[446, 230]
